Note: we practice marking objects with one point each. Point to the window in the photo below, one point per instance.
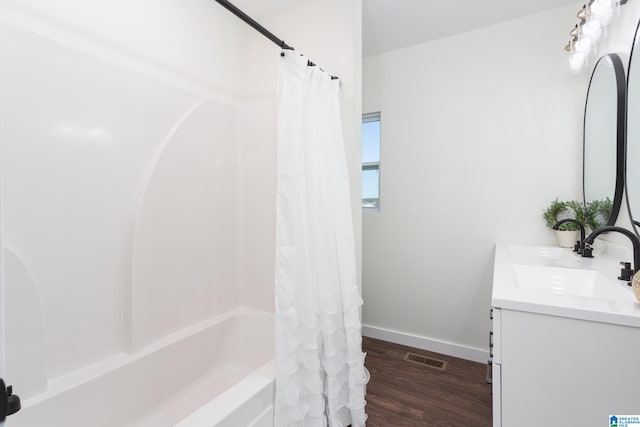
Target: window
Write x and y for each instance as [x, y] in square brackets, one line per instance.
[371, 161]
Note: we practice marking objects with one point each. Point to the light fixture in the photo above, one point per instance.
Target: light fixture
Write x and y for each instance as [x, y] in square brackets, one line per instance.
[569, 46]
[583, 45]
[594, 18]
[582, 13]
[591, 29]
[577, 61]
[601, 11]
[575, 32]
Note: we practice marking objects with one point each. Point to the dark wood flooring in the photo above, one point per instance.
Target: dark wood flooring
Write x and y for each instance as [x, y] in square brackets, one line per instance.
[406, 394]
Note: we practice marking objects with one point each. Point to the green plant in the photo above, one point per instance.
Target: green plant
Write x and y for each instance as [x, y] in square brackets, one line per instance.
[585, 213]
[601, 211]
[558, 210]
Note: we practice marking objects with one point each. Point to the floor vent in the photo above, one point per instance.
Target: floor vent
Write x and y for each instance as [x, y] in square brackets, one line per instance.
[427, 361]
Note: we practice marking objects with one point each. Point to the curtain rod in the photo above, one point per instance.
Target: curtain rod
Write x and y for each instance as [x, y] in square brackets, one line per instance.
[262, 30]
[246, 18]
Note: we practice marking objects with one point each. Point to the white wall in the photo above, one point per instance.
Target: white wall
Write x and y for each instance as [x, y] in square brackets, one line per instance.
[480, 131]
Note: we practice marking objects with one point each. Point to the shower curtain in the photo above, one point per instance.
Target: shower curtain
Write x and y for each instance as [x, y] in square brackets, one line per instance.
[320, 373]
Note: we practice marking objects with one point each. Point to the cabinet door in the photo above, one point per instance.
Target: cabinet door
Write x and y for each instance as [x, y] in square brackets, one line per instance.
[496, 394]
[561, 371]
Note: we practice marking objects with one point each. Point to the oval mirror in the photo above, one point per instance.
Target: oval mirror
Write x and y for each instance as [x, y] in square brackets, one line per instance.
[633, 134]
[603, 140]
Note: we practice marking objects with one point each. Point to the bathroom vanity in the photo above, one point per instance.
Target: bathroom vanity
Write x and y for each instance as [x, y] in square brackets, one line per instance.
[565, 339]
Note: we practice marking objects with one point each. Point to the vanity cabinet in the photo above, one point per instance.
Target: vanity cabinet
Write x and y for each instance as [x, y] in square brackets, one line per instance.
[562, 371]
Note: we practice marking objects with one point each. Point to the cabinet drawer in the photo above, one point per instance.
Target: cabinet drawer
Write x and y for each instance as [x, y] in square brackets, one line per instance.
[496, 338]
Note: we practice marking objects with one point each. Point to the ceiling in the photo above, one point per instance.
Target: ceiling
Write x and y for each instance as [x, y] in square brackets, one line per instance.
[394, 24]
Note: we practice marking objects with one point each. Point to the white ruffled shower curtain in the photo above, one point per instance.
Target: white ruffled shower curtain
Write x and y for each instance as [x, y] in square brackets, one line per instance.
[320, 373]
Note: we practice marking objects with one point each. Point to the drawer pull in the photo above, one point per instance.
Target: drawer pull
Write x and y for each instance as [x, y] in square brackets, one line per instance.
[491, 343]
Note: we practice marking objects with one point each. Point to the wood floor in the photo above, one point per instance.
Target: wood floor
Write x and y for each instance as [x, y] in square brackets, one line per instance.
[406, 394]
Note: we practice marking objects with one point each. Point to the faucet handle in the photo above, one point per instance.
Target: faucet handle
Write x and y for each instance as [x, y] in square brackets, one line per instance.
[587, 251]
[626, 272]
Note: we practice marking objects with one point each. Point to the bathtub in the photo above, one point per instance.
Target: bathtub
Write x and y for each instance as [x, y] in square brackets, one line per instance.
[219, 373]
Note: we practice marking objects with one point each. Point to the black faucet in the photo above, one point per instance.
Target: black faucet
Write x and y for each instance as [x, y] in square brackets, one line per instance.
[580, 243]
[634, 240]
[9, 402]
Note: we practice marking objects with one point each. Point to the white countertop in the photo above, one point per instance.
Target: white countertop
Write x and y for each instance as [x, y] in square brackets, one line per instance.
[608, 301]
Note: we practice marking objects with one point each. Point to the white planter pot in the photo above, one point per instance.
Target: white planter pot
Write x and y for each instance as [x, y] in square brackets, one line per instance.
[567, 239]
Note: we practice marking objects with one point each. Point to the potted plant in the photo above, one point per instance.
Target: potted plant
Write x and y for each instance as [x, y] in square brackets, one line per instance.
[586, 214]
[567, 233]
[601, 210]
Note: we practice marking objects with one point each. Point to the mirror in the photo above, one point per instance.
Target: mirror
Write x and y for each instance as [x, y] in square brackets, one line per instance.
[633, 135]
[604, 139]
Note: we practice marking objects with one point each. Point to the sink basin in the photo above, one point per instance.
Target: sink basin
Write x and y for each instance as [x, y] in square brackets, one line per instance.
[556, 281]
[536, 252]
[569, 281]
[545, 256]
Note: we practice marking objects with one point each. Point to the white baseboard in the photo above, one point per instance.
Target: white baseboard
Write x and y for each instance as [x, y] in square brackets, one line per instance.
[456, 350]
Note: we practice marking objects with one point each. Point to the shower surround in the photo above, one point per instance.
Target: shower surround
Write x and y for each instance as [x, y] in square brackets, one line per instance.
[138, 204]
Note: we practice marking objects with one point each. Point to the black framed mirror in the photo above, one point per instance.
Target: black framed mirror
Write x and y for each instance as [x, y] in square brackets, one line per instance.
[604, 140]
[632, 172]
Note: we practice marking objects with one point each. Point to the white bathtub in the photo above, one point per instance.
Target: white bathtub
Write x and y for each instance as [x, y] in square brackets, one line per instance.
[218, 373]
